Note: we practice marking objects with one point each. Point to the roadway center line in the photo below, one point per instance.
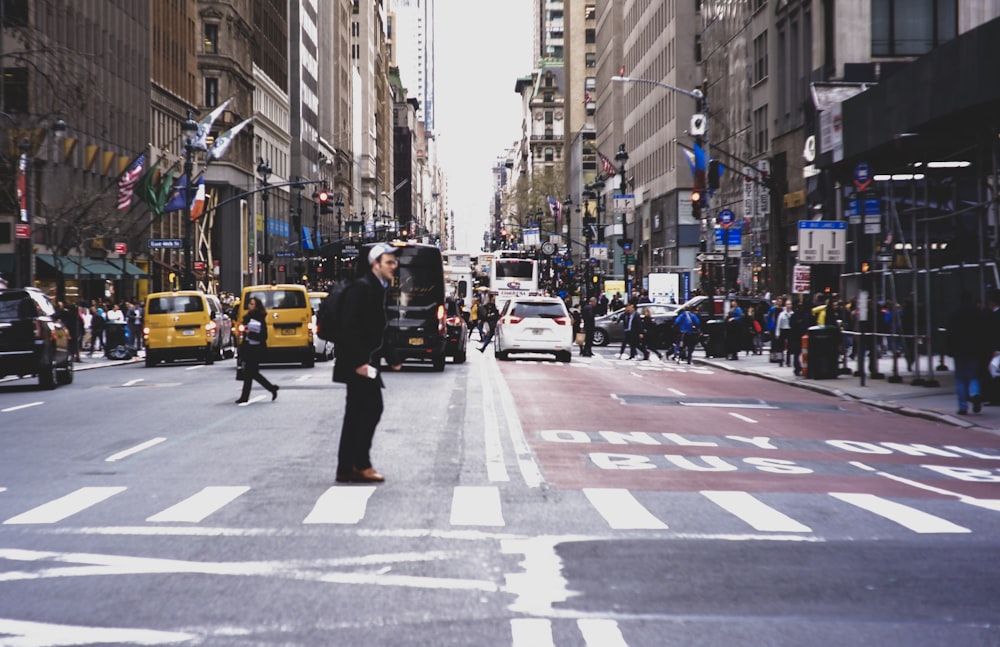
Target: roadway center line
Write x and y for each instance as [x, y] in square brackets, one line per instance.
[135, 450]
[742, 417]
[20, 406]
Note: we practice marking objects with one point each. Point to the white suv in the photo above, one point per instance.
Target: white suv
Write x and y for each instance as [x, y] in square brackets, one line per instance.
[534, 325]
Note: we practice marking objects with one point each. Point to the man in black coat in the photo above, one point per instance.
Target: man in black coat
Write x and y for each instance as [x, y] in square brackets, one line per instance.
[589, 326]
[363, 343]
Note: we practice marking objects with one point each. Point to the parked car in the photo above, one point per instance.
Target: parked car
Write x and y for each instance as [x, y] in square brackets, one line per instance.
[534, 325]
[322, 349]
[608, 328]
[32, 340]
[457, 332]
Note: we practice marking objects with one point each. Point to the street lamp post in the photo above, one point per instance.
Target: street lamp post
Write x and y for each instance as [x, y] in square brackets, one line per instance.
[189, 130]
[339, 203]
[264, 171]
[622, 157]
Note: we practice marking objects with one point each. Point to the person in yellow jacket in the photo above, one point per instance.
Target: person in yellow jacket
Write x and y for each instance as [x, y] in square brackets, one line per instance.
[819, 310]
[474, 323]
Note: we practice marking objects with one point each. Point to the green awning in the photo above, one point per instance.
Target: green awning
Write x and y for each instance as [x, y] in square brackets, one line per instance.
[111, 269]
[68, 265]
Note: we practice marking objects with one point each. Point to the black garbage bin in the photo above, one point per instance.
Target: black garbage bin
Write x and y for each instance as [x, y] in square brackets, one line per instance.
[824, 352]
[715, 345]
[115, 341]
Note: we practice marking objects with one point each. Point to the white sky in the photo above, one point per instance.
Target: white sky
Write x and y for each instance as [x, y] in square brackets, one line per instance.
[482, 48]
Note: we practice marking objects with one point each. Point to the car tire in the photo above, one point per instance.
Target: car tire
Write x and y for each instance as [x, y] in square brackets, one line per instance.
[503, 355]
[600, 337]
[310, 359]
[47, 373]
[209, 356]
[460, 357]
[564, 356]
[439, 362]
[151, 360]
[65, 376]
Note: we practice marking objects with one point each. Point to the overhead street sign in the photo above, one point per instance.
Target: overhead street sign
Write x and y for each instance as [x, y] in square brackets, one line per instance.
[710, 257]
[822, 241]
[165, 243]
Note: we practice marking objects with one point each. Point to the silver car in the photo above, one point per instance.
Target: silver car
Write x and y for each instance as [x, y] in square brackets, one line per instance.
[534, 325]
[608, 329]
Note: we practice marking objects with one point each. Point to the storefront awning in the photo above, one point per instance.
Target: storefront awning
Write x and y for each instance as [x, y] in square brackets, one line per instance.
[111, 269]
[69, 267]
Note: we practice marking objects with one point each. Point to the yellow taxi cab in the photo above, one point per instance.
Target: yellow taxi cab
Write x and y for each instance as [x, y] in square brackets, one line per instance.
[289, 322]
[183, 324]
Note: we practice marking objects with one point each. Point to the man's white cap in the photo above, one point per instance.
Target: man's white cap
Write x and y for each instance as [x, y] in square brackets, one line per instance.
[379, 249]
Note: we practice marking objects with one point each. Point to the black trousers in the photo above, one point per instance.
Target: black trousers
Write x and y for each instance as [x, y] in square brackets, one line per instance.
[361, 415]
[251, 372]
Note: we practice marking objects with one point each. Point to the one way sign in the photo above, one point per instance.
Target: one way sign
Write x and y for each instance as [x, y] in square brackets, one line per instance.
[710, 257]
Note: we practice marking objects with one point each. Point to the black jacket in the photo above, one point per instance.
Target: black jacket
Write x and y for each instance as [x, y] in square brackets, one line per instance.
[363, 338]
[254, 351]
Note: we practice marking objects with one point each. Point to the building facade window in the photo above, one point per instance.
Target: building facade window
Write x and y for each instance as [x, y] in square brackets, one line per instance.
[912, 27]
[760, 58]
[211, 38]
[760, 135]
[211, 91]
[550, 154]
[590, 59]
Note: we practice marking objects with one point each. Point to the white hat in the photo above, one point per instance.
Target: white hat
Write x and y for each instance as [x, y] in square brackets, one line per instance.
[378, 249]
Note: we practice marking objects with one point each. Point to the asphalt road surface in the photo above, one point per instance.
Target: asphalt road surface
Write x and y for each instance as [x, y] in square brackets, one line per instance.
[527, 504]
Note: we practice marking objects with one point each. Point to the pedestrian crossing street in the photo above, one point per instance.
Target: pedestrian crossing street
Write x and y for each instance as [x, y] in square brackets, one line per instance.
[589, 510]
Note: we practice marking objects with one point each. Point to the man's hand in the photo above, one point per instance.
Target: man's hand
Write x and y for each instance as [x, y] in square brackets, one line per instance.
[362, 370]
[396, 367]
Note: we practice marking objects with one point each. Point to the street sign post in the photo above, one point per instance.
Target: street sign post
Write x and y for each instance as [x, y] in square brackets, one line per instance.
[822, 241]
[726, 218]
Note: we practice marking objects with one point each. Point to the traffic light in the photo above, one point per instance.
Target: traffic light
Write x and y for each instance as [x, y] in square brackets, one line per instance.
[324, 202]
[696, 197]
[714, 174]
[865, 267]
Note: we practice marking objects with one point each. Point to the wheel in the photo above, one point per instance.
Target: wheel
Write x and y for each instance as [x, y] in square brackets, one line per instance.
[439, 362]
[565, 357]
[209, 355]
[503, 355]
[65, 374]
[460, 357]
[600, 337]
[310, 359]
[150, 359]
[47, 373]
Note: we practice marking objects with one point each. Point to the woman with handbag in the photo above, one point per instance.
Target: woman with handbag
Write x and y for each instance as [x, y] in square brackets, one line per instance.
[253, 347]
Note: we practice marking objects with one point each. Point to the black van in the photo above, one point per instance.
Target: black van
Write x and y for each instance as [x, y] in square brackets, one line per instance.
[416, 302]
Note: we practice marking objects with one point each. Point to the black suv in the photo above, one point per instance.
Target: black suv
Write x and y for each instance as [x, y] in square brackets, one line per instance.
[32, 340]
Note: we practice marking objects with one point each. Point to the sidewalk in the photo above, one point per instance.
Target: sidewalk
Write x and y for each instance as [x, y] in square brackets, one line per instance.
[931, 402]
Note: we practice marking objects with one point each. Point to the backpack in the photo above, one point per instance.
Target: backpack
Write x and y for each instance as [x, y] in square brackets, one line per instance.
[329, 324]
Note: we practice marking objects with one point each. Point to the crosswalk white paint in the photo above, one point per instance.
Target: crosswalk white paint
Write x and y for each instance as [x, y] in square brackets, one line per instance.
[197, 507]
[66, 506]
[599, 632]
[344, 505]
[755, 512]
[476, 506]
[531, 632]
[621, 510]
[916, 520]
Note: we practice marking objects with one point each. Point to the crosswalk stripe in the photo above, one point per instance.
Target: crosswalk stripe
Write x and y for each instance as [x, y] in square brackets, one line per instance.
[601, 633]
[755, 512]
[341, 505]
[531, 632]
[65, 506]
[198, 506]
[904, 515]
[621, 510]
[476, 506]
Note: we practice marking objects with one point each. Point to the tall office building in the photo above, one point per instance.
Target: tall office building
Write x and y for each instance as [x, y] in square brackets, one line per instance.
[413, 53]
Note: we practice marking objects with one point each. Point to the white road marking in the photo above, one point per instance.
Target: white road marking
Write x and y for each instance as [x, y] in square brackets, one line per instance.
[676, 392]
[989, 504]
[496, 467]
[476, 506]
[742, 417]
[758, 514]
[525, 459]
[343, 504]
[198, 506]
[531, 632]
[621, 510]
[256, 398]
[66, 506]
[41, 634]
[303, 378]
[134, 450]
[196, 367]
[134, 382]
[916, 520]
[21, 406]
[728, 405]
[599, 632]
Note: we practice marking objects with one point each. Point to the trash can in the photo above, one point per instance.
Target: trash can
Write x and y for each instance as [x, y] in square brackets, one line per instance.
[715, 345]
[824, 352]
[115, 341]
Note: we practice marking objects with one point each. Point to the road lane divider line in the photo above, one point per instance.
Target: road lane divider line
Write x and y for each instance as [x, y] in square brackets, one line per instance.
[476, 506]
[66, 506]
[916, 520]
[531, 632]
[742, 417]
[134, 450]
[496, 465]
[599, 632]
[677, 392]
[530, 471]
[21, 406]
[621, 510]
[197, 507]
[134, 382]
[196, 367]
[341, 505]
[753, 511]
[729, 405]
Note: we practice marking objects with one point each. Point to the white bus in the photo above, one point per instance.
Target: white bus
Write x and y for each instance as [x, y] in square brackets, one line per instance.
[513, 277]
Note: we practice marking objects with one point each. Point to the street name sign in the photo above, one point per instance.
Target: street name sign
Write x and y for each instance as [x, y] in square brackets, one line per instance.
[165, 243]
[822, 241]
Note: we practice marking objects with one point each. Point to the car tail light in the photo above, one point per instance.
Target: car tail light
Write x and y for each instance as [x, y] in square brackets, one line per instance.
[512, 319]
[312, 327]
[39, 330]
[440, 318]
[562, 321]
[454, 321]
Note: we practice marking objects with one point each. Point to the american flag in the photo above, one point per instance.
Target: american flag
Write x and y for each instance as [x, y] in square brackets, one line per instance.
[126, 184]
[607, 167]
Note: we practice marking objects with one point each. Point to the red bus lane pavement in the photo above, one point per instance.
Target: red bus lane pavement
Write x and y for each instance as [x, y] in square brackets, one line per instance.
[668, 427]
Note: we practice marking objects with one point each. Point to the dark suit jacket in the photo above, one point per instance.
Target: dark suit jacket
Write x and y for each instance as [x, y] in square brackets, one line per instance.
[364, 330]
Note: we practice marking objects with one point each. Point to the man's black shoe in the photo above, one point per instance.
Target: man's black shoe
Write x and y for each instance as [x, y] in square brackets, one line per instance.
[977, 403]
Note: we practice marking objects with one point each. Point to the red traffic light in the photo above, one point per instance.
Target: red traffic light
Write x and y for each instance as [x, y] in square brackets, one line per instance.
[324, 197]
[696, 196]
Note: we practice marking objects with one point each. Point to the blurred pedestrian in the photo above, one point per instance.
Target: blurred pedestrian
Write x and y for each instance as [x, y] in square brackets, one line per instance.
[589, 314]
[966, 337]
[491, 315]
[252, 349]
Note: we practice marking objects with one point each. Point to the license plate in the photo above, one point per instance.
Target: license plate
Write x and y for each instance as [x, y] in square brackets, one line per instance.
[537, 331]
[416, 341]
[188, 333]
[287, 331]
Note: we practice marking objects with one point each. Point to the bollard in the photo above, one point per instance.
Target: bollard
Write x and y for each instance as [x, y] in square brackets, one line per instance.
[805, 355]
